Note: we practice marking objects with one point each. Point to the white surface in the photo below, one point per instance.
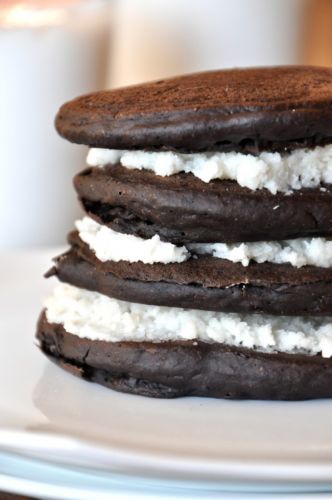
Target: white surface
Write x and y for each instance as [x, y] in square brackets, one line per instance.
[41, 68]
[111, 245]
[302, 168]
[42, 480]
[98, 317]
[47, 413]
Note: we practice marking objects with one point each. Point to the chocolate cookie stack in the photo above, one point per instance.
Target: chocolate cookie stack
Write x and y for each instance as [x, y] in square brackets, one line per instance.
[203, 265]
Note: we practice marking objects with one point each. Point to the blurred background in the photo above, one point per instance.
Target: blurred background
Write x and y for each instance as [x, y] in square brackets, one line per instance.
[52, 51]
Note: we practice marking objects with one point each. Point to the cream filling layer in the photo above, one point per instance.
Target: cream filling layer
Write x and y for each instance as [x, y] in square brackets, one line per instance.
[97, 317]
[302, 168]
[111, 245]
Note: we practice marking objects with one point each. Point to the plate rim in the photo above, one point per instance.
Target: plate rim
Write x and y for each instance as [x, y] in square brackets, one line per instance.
[68, 451]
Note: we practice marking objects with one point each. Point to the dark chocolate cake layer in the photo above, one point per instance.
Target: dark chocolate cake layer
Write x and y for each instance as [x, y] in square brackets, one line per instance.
[205, 283]
[247, 110]
[182, 208]
[187, 368]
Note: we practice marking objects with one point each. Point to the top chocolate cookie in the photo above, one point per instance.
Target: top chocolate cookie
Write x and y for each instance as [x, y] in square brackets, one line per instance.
[246, 110]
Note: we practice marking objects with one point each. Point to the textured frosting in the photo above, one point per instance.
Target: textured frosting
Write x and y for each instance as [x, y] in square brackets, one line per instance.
[302, 168]
[298, 252]
[96, 317]
[110, 245]
[250, 109]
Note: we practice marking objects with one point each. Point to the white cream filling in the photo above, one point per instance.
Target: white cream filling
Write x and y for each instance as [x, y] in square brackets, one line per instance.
[110, 245]
[97, 317]
[298, 252]
[302, 168]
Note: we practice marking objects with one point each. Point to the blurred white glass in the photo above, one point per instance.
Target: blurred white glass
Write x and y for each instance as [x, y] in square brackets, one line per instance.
[50, 52]
[159, 38]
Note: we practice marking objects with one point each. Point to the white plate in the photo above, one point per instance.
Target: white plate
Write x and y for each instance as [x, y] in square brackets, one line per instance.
[48, 414]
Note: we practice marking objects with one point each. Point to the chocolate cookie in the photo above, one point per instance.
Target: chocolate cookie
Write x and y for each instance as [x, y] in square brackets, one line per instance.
[201, 199]
[204, 282]
[247, 110]
[187, 368]
[181, 208]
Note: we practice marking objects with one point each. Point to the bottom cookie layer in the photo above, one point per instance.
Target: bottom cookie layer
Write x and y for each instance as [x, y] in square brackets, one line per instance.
[187, 368]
